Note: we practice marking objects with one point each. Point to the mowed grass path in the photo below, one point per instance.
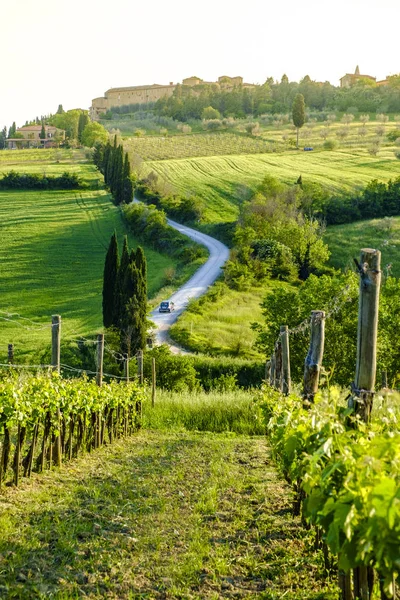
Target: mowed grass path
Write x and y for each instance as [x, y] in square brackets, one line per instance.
[160, 515]
[52, 252]
[220, 180]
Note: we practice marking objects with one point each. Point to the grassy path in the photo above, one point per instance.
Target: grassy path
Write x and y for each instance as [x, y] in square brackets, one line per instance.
[160, 516]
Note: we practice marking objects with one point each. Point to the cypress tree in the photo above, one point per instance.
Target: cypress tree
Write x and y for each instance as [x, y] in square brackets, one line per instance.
[111, 267]
[106, 158]
[120, 297]
[117, 181]
[127, 186]
[298, 114]
[111, 163]
[141, 295]
[42, 133]
[82, 122]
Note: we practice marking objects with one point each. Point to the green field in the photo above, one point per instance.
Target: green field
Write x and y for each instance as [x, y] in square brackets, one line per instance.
[345, 242]
[52, 258]
[222, 180]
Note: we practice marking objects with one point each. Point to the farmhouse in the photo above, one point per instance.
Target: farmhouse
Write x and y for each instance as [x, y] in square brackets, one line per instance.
[350, 79]
[29, 137]
[142, 94]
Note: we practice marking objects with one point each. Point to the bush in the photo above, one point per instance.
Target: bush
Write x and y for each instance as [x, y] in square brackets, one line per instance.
[173, 372]
[392, 136]
[221, 373]
[330, 145]
[29, 181]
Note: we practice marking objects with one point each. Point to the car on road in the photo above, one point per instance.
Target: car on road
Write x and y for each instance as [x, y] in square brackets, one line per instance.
[166, 307]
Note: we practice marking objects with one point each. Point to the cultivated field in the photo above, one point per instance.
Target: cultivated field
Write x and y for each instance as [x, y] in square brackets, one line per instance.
[52, 257]
[224, 181]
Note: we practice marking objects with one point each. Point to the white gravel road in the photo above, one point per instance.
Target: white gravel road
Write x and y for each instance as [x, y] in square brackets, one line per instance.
[197, 284]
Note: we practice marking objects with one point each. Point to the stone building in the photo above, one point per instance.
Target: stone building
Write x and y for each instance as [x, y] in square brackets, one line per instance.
[142, 94]
[350, 79]
[29, 137]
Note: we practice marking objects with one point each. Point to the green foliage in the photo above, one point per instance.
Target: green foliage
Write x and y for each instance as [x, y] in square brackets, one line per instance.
[174, 373]
[298, 113]
[31, 181]
[150, 225]
[350, 477]
[292, 306]
[111, 267]
[226, 373]
[393, 135]
[92, 134]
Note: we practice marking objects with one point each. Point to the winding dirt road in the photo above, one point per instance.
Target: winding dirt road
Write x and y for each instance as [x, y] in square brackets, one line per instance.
[197, 284]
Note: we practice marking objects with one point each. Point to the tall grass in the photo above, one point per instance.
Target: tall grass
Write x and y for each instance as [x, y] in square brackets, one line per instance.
[217, 412]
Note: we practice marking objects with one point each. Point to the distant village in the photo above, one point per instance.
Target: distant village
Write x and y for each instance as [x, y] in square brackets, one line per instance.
[143, 94]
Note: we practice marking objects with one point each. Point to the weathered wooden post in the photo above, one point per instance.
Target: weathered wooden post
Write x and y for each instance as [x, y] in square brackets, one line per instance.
[56, 342]
[272, 370]
[361, 399]
[312, 366]
[278, 365]
[10, 359]
[55, 361]
[100, 358]
[364, 383]
[267, 371]
[140, 365]
[153, 382]
[285, 377]
[126, 368]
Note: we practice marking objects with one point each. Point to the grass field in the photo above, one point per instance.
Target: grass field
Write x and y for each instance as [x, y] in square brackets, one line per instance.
[223, 181]
[222, 325]
[345, 242]
[52, 258]
[177, 515]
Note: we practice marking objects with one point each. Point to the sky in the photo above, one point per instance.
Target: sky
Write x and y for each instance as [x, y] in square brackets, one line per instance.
[70, 51]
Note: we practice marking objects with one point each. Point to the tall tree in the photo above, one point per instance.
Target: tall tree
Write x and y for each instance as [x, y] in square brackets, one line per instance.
[12, 131]
[111, 267]
[127, 185]
[298, 114]
[60, 110]
[42, 133]
[119, 297]
[82, 122]
[3, 137]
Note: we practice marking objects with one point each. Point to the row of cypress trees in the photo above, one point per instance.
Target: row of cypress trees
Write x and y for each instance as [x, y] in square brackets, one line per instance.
[115, 166]
[125, 295]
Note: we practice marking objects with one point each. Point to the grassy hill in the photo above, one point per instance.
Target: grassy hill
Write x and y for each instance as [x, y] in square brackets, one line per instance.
[52, 253]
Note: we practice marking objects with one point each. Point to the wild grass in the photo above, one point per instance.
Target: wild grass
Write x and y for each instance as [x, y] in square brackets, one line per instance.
[345, 242]
[218, 412]
[160, 515]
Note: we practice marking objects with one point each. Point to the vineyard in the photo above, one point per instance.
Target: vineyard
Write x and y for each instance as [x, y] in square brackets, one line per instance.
[45, 419]
[342, 454]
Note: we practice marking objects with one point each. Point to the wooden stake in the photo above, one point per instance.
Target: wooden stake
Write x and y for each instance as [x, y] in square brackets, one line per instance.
[18, 455]
[10, 359]
[364, 384]
[153, 381]
[140, 366]
[272, 370]
[285, 378]
[312, 366]
[56, 342]
[100, 357]
[278, 366]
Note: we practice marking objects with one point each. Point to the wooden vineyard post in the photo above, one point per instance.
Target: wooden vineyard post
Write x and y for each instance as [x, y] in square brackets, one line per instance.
[285, 377]
[126, 368]
[56, 342]
[361, 398]
[55, 361]
[153, 382]
[140, 366]
[312, 366]
[364, 383]
[100, 357]
[10, 358]
[278, 366]
[17, 456]
[272, 370]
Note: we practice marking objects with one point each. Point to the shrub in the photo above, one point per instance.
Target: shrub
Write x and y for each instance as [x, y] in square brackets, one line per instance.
[220, 373]
[330, 144]
[173, 372]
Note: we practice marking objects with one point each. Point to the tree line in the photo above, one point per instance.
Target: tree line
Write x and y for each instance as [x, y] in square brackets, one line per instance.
[33, 181]
[114, 165]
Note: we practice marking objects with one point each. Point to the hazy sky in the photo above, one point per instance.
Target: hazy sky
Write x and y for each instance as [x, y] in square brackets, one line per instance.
[70, 51]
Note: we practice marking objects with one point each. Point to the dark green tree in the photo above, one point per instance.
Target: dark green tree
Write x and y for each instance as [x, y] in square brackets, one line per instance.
[116, 184]
[111, 267]
[42, 133]
[3, 137]
[82, 122]
[119, 294]
[298, 114]
[12, 130]
[127, 185]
